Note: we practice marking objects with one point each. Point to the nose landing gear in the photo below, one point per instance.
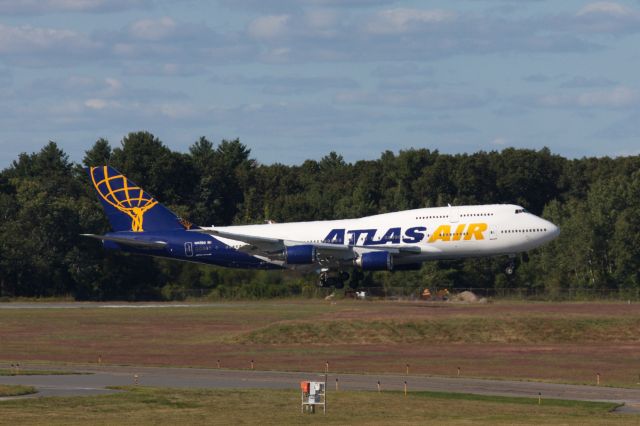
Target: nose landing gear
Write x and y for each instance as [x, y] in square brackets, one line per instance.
[510, 268]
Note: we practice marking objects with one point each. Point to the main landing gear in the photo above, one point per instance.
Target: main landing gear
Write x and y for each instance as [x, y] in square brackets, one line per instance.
[336, 281]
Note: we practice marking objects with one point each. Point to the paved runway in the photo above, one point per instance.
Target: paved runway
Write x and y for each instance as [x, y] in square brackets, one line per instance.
[111, 305]
[102, 376]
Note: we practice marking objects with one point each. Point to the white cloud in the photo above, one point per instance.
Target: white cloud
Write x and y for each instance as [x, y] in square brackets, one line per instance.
[163, 46]
[617, 97]
[605, 17]
[177, 110]
[153, 29]
[289, 5]
[169, 69]
[268, 27]
[603, 7]
[402, 69]
[402, 20]
[114, 85]
[292, 120]
[579, 81]
[419, 98]
[26, 40]
[38, 7]
[383, 35]
[286, 84]
[321, 18]
[96, 103]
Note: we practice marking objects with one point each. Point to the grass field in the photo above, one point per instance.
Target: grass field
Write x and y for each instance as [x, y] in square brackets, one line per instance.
[15, 390]
[139, 405]
[562, 342]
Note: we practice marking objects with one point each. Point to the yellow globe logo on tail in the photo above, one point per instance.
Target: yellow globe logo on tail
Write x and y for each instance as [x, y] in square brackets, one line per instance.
[127, 198]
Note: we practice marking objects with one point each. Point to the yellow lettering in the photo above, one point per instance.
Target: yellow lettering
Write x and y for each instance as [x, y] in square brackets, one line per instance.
[442, 233]
[458, 233]
[475, 230]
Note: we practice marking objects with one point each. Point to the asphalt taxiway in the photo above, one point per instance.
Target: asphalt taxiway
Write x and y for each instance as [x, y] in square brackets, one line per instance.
[97, 378]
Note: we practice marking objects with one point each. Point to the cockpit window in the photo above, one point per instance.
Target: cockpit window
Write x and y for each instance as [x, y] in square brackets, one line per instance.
[521, 211]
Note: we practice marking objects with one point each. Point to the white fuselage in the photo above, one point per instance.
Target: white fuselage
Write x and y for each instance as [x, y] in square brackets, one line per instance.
[439, 233]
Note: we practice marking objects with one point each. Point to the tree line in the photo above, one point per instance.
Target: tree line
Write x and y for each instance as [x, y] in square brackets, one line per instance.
[47, 201]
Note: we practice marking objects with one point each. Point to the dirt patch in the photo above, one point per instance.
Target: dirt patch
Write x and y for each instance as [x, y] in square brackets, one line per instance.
[467, 297]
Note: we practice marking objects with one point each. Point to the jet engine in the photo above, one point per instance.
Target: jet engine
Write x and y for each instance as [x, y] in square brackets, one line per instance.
[300, 255]
[375, 261]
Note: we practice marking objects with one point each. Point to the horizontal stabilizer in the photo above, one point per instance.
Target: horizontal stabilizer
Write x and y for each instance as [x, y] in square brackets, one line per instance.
[129, 241]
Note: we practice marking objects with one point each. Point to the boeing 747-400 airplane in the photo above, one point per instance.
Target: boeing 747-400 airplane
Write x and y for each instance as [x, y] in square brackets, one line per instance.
[383, 242]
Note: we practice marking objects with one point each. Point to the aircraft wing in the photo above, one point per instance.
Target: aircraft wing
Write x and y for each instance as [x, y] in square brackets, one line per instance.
[269, 246]
[144, 244]
[264, 244]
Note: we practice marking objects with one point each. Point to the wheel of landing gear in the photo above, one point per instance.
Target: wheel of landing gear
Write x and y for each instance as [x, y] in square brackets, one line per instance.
[323, 281]
[509, 270]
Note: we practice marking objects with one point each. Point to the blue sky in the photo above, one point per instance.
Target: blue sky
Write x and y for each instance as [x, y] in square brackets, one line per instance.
[296, 79]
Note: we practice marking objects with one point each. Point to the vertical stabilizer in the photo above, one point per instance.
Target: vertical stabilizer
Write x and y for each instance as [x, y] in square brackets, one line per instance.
[128, 206]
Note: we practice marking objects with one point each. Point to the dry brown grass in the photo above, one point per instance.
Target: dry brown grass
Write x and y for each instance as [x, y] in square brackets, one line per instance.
[568, 342]
[449, 330]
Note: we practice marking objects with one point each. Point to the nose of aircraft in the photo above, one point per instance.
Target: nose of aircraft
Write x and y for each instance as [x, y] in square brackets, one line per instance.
[552, 230]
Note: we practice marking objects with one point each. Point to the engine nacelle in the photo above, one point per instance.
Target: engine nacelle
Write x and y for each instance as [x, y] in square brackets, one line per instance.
[300, 255]
[375, 261]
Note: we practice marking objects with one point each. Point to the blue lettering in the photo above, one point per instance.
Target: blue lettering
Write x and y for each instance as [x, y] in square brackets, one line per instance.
[391, 236]
[336, 236]
[355, 236]
[414, 235]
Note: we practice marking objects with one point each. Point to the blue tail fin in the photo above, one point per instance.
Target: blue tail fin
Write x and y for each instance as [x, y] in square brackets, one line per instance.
[129, 207]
